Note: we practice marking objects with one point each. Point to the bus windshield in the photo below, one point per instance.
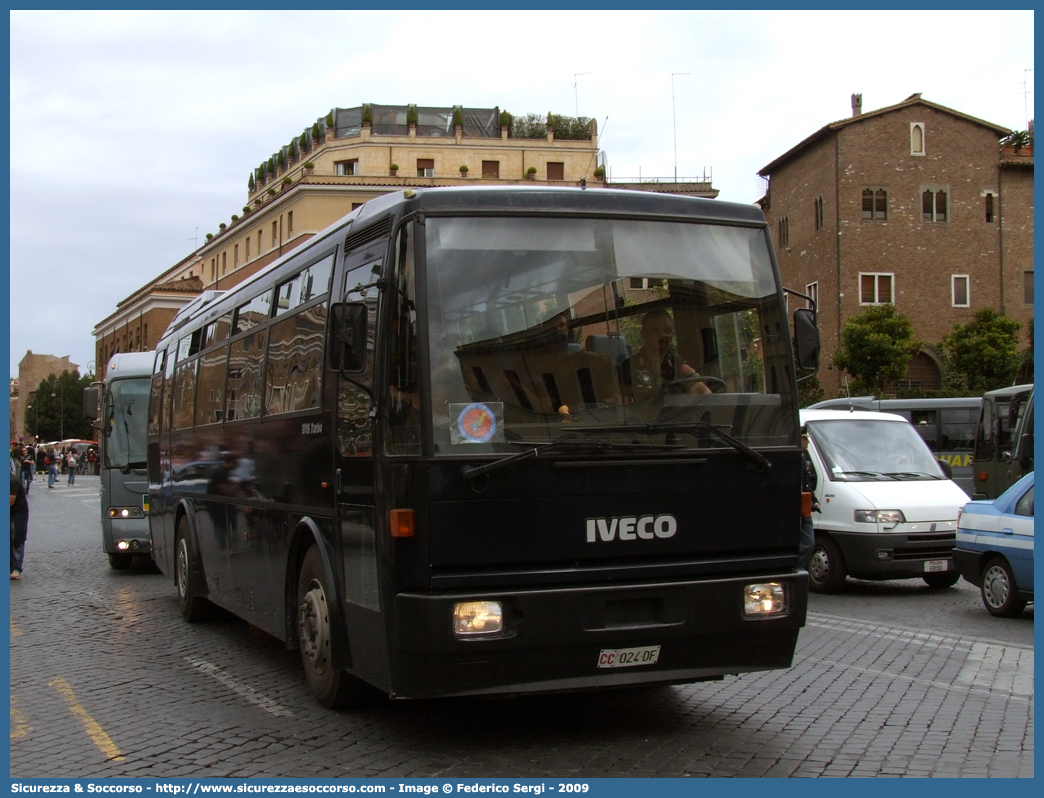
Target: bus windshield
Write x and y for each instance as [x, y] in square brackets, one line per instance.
[857, 450]
[629, 332]
[126, 414]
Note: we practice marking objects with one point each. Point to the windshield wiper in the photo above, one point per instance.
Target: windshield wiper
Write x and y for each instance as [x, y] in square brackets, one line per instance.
[911, 475]
[539, 448]
[874, 474]
[689, 426]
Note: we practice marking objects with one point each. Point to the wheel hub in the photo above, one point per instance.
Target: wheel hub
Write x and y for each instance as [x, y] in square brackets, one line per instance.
[314, 626]
[996, 591]
[819, 565]
[182, 568]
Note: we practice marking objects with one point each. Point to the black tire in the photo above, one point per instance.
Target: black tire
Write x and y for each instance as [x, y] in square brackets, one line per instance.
[194, 607]
[999, 594]
[943, 579]
[332, 687]
[826, 568]
[120, 562]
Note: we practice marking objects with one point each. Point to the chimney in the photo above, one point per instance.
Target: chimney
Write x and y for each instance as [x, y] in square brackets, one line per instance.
[857, 104]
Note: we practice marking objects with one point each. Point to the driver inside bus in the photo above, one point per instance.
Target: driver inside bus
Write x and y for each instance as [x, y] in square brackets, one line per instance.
[657, 368]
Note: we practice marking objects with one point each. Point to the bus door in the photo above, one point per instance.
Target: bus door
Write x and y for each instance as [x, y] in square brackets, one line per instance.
[353, 375]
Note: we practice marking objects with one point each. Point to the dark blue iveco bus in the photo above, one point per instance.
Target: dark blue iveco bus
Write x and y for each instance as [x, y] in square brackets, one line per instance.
[493, 441]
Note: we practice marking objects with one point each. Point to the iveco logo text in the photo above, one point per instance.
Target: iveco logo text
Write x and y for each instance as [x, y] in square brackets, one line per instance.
[645, 527]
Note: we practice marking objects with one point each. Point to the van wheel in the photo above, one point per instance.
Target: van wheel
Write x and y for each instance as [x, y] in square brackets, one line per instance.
[119, 562]
[192, 605]
[941, 580]
[332, 687]
[998, 589]
[826, 569]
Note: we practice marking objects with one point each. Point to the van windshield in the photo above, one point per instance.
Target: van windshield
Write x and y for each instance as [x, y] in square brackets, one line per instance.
[540, 327]
[860, 450]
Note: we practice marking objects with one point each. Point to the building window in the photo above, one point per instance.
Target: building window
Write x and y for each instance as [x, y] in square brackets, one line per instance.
[275, 232]
[248, 248]
[960, 288]
[347, 168]
[235, 257]
[917, 138]
[425, 167]
[213, 269]
[933, 205]
[876, 288]
[356, 205]
[491, 169]
[812, 289]
[817, 212]
[875, 204]
[783, 226]
[1027, 287]
[289, 224]
[556, 170]
[145, 335]
[260, 248]
[989, 208]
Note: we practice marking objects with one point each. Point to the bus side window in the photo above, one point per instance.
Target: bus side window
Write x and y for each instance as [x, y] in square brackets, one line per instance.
[354, 392]
[403, 376]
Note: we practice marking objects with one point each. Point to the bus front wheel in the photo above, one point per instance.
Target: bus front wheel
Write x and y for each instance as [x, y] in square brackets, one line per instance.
[192, 605]
[119, 562]
[331, 686]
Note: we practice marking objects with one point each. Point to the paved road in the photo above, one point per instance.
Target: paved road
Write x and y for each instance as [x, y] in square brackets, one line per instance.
[890, 679]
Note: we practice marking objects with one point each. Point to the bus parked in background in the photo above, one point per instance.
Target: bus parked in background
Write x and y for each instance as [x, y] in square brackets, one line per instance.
[122, 406]
[947, 426]
[494, 441]
[995, 445]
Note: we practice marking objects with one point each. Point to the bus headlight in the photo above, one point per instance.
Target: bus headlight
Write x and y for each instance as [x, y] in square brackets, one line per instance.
[126, 512]
[765, 598]
[889, 518]
[478, 618]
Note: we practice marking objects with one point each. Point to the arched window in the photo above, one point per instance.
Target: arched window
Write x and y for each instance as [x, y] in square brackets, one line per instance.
[917, 138]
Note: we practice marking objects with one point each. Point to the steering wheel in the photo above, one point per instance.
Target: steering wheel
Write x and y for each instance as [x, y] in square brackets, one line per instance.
[716, 385]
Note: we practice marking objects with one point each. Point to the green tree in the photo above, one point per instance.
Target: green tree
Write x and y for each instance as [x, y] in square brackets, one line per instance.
[876, 347]
[1026, 366]
[984, 353]
[56, 410]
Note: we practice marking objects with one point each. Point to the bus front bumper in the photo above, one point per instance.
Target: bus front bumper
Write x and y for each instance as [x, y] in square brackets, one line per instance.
[127, 536]
[590, 637]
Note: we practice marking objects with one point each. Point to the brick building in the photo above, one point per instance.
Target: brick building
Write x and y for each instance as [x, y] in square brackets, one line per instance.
[914, 204]
[32, 370]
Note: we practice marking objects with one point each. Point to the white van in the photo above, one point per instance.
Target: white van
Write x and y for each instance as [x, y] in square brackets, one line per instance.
[887, 509]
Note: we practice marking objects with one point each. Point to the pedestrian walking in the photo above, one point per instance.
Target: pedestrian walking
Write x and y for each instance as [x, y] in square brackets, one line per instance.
[71, 466]
[19, 525]
[26, 469]
[52, 468]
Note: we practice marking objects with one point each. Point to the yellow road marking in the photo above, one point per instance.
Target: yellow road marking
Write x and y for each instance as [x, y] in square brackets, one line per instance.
[19, 722]
[15, 631]
[94, 729]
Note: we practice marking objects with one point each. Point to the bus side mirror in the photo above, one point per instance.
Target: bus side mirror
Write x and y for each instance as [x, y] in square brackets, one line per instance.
[91, 403]
[806, 338]
[348, 328]
[947, 469]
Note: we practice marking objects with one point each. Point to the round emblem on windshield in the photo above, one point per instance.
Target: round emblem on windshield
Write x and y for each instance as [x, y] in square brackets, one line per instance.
[477, 423]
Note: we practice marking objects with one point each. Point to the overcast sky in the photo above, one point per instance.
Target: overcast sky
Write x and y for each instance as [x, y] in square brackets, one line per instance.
[133, 133]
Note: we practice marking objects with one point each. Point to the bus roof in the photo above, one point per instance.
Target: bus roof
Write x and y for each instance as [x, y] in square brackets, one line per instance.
[130, 364]
[484, 201]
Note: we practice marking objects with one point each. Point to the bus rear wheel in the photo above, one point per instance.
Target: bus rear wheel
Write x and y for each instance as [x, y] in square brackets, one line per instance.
[331, 686]
[192, 605]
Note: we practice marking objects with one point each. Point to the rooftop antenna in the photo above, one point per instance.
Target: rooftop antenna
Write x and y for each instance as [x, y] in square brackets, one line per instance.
[195, 240]
[1025, 96]
[576, 94]
[675, 116]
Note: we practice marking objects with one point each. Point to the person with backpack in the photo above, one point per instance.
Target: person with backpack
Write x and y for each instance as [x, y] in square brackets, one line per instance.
[71, 466]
